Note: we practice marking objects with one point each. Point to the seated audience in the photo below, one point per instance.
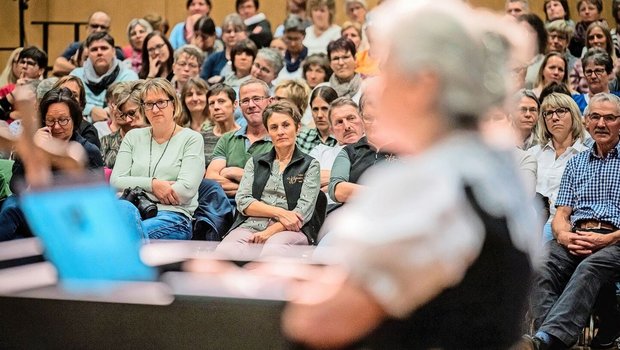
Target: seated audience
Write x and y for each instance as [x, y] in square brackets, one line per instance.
[157, 57]
[278, 45]
[158, 22]
[86, 129]
[320, 100]
[560, 33]
[60, 115]
[552, 69]
[31, 63]
[516, 8]
[582, 259]
[296, 92]
[187, 62]
[598, 36]
[561, 136]
[353, 32]
[322, 31]
[137, 30]
[71, 57]
[205, 37]
[165, 160]
[597, 69]
[219, 64]
[242, 56]
[194, 101]
[589, 11]
[316, 70]
[183, 32]
[535, 27]
[341, 54]
[258, 26]
[278, 191]
[267, 65]
[128, 117]
[524, 117]
[100, 71]
[356, 10]
[296, 52]
[357, 157]
[222, 102]
[11, 70]
[233, 149]
[297, 8]
[347, 127]
[557, 9]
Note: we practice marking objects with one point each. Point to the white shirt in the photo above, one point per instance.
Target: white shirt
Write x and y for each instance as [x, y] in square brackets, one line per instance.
[326, 156]
[550, 169]
[410, 233]
[318, 44]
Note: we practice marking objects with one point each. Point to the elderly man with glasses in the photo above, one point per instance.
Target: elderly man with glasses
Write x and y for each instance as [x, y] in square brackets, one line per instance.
[97, 22]
[584, 257]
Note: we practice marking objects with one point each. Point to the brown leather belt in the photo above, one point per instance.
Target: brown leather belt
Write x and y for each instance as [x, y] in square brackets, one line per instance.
[595, 225]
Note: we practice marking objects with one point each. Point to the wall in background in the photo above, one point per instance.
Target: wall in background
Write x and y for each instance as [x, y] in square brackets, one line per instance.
[174, 10]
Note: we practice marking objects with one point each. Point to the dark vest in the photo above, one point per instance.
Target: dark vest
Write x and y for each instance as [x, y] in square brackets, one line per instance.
[484, 311]
[293, 179]
[362, 156]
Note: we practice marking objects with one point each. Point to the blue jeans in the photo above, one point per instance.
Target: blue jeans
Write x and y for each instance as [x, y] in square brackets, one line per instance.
[12, 222]
[214, 214]
[166, 225]
[547, 234]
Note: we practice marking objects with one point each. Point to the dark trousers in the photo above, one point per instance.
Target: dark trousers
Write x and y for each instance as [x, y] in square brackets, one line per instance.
[214, 214]
[567, 286]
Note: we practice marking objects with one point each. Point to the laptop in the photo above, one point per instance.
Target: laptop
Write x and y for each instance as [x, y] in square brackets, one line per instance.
[84, 233]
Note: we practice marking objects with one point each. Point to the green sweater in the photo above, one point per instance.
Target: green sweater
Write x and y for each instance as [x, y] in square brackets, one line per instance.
[182, 161]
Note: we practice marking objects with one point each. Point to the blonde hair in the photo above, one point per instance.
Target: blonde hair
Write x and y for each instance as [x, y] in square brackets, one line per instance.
[7, 76]
[164, 86]
[297, 92]
[557, 100]
[315, 4]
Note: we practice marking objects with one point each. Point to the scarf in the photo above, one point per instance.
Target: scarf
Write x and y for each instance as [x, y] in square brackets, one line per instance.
[349, 88]
[97, 84]
[294, 66]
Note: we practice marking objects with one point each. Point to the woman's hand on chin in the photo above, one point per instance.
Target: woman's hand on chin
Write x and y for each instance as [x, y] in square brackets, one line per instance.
[164, 192]
[292, 221]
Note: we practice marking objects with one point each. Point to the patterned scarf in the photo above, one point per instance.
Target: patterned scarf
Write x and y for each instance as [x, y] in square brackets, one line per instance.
[97, 84]
[349, 88]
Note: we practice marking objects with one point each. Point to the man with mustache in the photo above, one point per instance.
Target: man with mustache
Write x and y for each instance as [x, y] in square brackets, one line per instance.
[347, 127]
[583, 257]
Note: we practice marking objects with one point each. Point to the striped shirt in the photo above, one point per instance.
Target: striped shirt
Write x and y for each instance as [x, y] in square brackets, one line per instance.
[591, 186]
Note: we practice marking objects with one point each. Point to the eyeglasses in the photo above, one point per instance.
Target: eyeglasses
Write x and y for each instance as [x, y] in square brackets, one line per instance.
[532, 110]
[338, 58]
[26, 62]
[155, 48]
[263, 69]
[61, 122]
[161, 104]
[255, 99]
[184, 64]
[98, 26]
[608, 118]
[560, 112]
[291, 39]
[130, 114]
[597, 72]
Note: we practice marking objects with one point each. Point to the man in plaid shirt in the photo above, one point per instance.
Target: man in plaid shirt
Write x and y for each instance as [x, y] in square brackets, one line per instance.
[584, 258]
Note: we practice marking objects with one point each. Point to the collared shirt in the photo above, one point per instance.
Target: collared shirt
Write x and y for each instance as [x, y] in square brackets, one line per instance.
[310, 138]
[591, 187]
[275, 195]
[550, 169]
[236, 149]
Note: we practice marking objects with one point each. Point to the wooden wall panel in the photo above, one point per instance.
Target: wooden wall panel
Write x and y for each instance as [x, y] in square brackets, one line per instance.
[174, 10]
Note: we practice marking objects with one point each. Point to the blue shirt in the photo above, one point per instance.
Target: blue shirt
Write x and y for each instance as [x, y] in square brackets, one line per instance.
[591, 186]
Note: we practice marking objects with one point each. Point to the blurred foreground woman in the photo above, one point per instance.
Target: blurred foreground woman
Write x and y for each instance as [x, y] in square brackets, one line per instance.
[435, 250]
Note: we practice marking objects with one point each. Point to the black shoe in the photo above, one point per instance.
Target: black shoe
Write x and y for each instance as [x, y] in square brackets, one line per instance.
[533, 343]
[604, 342]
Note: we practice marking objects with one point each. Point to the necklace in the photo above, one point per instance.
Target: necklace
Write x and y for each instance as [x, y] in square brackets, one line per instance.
[162, 153]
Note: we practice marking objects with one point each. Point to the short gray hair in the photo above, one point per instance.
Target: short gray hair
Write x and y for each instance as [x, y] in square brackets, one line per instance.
[190, 50]
[255, 81]
[603, 97]
[273, 57]
[138, 21]
[526, 3]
